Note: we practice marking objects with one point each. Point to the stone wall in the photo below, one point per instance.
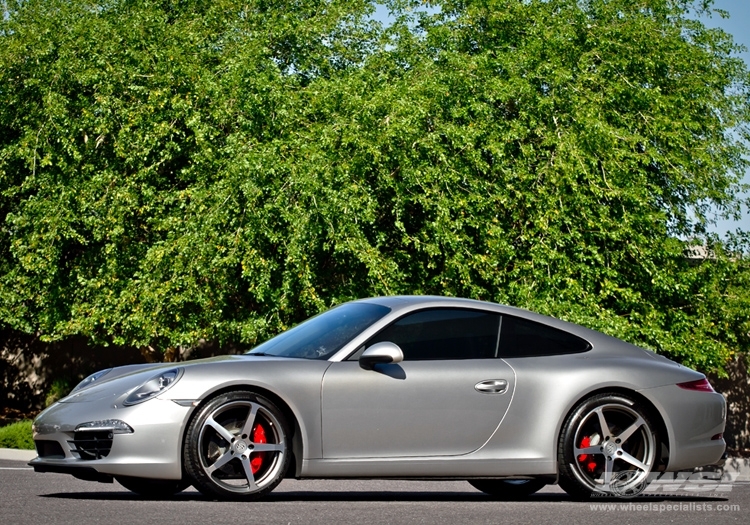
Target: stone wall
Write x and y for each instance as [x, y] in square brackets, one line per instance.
[28, 366]
[736, 388]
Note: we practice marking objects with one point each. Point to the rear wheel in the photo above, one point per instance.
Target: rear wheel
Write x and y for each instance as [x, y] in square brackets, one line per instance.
[608, 446]
[508, 488]
[153, 488]
[237, 447]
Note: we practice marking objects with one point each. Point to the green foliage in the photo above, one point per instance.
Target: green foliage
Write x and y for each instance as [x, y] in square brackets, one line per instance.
[59, 389]
[176, 171]
[17, 435]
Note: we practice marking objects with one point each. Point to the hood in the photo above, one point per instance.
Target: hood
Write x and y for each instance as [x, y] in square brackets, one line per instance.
[122, 380]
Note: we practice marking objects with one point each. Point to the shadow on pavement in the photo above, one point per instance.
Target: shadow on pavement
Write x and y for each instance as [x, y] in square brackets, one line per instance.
[437, 497]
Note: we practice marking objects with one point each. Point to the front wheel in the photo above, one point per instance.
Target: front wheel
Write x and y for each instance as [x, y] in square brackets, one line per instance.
[237, 447]
[508, 488]
[608, 447]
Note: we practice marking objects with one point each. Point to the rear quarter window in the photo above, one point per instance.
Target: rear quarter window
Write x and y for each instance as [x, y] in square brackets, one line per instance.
[523, 338]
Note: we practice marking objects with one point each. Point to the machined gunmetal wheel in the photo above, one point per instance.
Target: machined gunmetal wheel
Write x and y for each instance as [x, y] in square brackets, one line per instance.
[237, 447]
[508, 488]
[608, 446]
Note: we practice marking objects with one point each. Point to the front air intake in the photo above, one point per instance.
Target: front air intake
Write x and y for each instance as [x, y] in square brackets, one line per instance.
[92, 444]
[49, 449]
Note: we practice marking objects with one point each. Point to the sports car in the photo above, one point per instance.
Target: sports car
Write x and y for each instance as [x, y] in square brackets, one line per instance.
[393, 387]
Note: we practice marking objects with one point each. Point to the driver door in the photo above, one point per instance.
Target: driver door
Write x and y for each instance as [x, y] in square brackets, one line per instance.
[446, 398]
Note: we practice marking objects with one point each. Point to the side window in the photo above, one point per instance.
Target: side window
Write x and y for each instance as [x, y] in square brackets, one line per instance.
[524, 338]
[444, 333]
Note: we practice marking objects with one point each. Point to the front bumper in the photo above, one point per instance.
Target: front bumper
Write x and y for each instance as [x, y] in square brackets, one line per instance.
[153, 450]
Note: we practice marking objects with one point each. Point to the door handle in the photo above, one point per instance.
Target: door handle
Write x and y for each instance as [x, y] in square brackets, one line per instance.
[492, 386]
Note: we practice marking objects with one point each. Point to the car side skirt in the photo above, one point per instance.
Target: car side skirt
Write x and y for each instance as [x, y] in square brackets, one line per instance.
[452, 468]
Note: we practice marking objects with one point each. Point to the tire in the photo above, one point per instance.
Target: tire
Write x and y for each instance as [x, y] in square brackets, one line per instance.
[153, 488]
[237, 447]
[608, 447]
[508, 488]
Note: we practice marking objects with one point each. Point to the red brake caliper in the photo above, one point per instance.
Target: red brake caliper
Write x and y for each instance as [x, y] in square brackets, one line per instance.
[591, 464]
[259, 436]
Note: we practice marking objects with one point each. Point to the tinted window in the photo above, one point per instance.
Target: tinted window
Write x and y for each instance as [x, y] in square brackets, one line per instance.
[524, 338]
[443, 334]
[325, 334]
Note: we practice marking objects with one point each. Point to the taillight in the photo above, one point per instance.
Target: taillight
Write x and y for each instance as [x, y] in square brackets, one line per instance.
[700, 385]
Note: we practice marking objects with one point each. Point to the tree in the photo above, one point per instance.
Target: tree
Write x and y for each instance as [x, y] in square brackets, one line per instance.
[177, 171]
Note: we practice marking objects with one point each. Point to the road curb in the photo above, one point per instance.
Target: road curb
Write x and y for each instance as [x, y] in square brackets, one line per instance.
[14, 454]
[736, 469]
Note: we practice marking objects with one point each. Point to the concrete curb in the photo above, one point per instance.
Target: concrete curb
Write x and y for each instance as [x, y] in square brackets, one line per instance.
[13, 454]
[736, 469]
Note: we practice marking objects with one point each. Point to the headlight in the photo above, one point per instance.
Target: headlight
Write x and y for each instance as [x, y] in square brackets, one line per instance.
[93, 378]
[117, 426]
[154, 386]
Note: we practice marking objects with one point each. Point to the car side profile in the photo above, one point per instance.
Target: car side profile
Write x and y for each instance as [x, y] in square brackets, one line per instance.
[397, 388]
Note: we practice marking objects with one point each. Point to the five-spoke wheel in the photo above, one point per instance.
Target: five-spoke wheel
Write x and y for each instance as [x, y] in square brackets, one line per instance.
[608, 446]
[237, 446]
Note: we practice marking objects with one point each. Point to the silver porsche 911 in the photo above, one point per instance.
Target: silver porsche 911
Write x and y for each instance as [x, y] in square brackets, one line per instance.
[393, 387]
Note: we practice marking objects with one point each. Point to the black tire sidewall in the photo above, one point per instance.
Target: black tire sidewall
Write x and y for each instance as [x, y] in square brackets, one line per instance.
[568, 480]
[191, 455]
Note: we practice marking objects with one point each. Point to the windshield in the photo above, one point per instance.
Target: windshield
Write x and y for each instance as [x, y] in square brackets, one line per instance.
[325, 334]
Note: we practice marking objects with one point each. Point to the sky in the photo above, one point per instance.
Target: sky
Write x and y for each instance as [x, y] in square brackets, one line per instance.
[737, 26]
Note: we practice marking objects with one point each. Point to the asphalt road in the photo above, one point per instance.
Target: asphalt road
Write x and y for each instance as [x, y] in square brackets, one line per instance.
[30, 498]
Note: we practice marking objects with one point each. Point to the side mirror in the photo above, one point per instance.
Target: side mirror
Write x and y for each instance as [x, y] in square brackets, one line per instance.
[381, 353]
